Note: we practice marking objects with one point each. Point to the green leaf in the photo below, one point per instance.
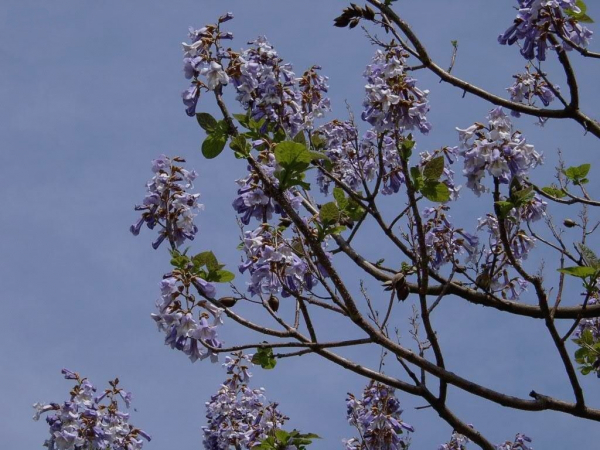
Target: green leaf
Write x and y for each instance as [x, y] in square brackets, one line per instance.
[579, 271]
[207, 259]
[586, 370]
[580, 355]
[300, 138]
[584, 18]
[282, 436]
[407, 147]
[243, 119]
[240, 146]
[340, 197]
[337, 230]
[315, 156]
[417, 178]
[224, 276]
[264, 358]
[577, 173]
[504, 208]
[207, 122]
[292, 155]
[521, 197]
[329, 213]
[436, 191]
[317, 141]
[580, 16]
[589, 256]
[213, 145]
[587, 336]
[434, 169]
[554, 191]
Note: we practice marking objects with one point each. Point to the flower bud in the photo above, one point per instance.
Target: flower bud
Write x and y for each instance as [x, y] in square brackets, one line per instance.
[228, 302]
[273, 303]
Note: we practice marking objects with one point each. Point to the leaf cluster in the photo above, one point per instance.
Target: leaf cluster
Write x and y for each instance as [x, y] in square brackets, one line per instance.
[282, 440]
[426, 180]
[204, 265]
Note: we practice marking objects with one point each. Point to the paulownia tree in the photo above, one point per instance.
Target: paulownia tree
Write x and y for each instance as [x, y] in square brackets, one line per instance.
[311, 186]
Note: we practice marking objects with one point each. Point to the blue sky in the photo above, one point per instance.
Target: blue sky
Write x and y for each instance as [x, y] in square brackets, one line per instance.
[90, 93]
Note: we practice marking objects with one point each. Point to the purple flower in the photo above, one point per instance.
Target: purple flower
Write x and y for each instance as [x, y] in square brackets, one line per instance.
[537, 20]
[392, 101]
[376, 416]
[496, 150]
[443, 241]
[238, 416]
[167, 203]
[84, 422]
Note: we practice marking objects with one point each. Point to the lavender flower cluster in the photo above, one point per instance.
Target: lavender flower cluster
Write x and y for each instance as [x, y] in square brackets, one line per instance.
[393, 101]
[521, 442]
[443, 241]
[376, 416]
[457, 442]
[167, 204]
[88, 421]
[186, 329]
[200, 65]
[537, 20]
[274, 265]
[497, 150]
[270, 90]
[591, 324]
[354, 161]
[252, 202]
[527, 87]
[239, 417]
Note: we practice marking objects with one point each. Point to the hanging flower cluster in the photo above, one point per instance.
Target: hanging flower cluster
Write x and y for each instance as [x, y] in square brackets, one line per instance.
[168, 204]
[537, 20]
[497, 150]
[443, 241]
[88, 421]
[393, 101]
[274, 264]
[200, 65]
[457, 442]
[529, 86]
[521, 442]
[270, 90]
[376, 416]
[186, 320]
[355, 161]
[239, 417]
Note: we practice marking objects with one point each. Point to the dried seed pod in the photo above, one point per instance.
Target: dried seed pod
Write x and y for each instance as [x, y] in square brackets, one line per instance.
[402, 291]
[273, 303]
[398, 282]
[228, 302]
[569, 223]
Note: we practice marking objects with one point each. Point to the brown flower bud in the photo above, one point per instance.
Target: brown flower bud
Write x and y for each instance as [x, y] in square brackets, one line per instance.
[228, 302]
[273, 303]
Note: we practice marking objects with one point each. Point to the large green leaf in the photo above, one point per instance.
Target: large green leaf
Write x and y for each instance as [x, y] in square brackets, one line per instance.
[207, 122]
[292, 155]
[213, 145]
[579, 271]
[434, 169]
[329, 213]
[436, 191]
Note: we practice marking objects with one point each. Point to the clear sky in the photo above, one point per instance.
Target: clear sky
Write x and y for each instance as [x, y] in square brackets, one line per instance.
[90, 93]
